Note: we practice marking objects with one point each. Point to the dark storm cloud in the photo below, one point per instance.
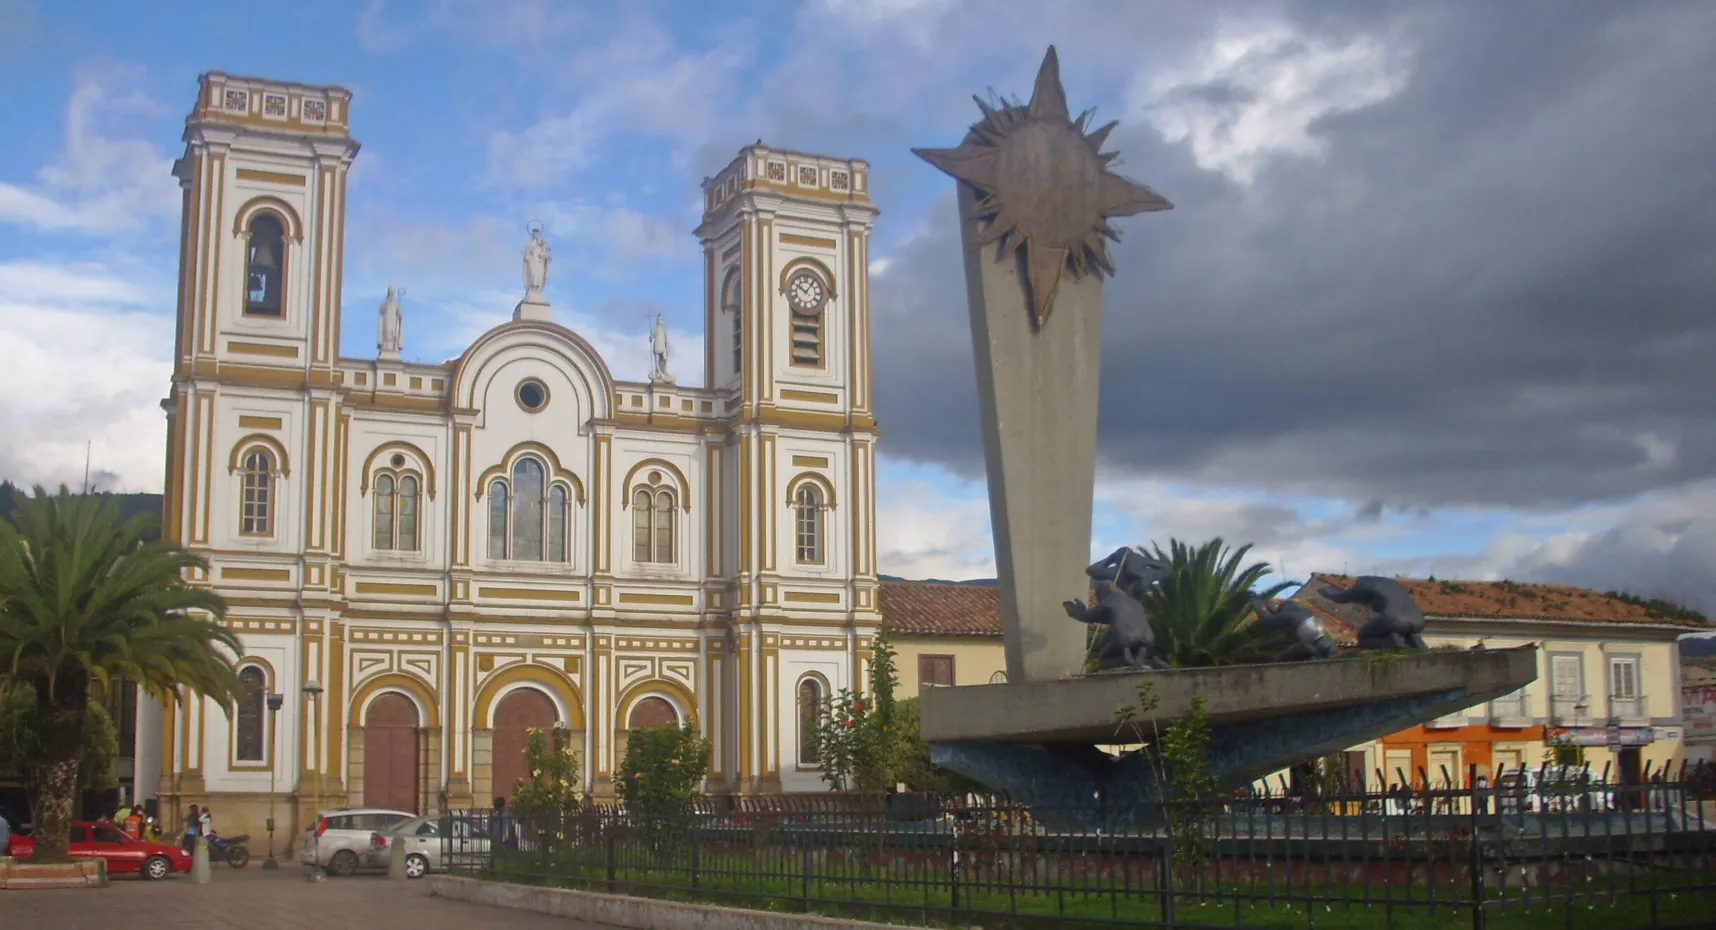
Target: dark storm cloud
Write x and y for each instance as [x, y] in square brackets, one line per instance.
[1494, 288]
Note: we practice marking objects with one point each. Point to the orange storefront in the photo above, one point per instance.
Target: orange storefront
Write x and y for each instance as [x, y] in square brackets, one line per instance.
[1454, 749]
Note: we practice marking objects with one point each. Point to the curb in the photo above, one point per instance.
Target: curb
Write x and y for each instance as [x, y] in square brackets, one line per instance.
[623, 911]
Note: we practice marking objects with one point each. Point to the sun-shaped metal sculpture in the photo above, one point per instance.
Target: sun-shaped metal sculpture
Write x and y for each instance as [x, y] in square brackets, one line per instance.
[1044, 188]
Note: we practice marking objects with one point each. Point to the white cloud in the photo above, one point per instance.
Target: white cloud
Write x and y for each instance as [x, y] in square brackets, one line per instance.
[913, 20]
[86, 364]
[104, 179]
[640, 81]
[931, 530]
[1255, 92]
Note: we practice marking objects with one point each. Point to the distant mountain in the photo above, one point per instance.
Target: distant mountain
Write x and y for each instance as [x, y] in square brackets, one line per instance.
[130, 505]
[988, 582]
[1692, 647]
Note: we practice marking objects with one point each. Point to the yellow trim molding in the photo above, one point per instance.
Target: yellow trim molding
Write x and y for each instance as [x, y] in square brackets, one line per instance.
[398, 445]
[281, 464]
[546, 676]
[396, 681]
[663, 464]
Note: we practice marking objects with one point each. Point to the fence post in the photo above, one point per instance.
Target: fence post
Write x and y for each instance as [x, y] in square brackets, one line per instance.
[1165, 874]
[1473, 801]
[608, 841]
[804, 859]
[696, 845]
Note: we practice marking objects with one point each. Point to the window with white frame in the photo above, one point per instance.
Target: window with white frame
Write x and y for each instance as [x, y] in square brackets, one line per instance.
[1567, 684]
[256, 516]
[1624, 686]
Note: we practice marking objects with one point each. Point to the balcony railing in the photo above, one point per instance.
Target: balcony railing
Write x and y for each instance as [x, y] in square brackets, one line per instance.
[1627, 708]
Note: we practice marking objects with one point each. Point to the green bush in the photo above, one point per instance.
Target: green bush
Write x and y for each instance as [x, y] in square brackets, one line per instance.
[661, 772]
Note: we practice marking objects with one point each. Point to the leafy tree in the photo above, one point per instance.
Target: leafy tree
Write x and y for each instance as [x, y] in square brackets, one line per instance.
[911, 759]
[87, 599]
[1202, 612]
[661, 771]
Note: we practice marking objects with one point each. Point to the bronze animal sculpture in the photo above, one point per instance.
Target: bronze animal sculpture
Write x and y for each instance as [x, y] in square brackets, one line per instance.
[1311, 639]
[1129, 638]
[1395, 620]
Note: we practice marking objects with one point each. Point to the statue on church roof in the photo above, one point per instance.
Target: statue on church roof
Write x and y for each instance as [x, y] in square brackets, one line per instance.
[390, 328]
[659, 351]
[537, 255]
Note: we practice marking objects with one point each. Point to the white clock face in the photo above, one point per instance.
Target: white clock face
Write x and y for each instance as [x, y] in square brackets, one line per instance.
[805, 291]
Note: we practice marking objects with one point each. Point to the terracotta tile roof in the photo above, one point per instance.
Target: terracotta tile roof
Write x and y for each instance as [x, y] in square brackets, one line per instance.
[939, 608]
[1496, 600]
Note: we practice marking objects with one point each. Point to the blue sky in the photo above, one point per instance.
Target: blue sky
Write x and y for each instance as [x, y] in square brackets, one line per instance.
[476, 118]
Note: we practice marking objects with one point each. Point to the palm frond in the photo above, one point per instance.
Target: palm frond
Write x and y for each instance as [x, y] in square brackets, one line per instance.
[1202, 612]
[86, 597]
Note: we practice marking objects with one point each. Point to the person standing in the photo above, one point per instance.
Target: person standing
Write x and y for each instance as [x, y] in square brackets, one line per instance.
[5, 835]
[206, 823]
[133, 823]
[193, 826]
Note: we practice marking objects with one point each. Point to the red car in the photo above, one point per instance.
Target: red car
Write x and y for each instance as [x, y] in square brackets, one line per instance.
[124, 855]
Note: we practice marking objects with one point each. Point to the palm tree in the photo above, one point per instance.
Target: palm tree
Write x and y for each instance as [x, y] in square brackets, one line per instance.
[84, 598]
[1201, 613]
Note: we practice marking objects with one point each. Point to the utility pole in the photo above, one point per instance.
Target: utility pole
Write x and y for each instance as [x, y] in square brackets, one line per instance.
[87, 445]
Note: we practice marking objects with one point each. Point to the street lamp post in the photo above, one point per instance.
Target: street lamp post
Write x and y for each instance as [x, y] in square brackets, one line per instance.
[275, 702]
[313, 691]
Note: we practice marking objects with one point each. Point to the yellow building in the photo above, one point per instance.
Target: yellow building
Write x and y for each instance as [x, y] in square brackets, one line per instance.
[943, 633]
[425, 561]
[1609, 673]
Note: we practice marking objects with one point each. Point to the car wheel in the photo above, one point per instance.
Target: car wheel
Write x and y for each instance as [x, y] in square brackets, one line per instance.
[416, 866]
[157, 868]
[344, 864]
[238, 857]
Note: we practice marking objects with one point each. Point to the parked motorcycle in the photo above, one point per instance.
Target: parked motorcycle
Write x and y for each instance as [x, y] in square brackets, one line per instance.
[230, 849]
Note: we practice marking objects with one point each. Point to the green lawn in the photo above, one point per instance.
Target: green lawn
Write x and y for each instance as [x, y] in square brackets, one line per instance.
[845, 891]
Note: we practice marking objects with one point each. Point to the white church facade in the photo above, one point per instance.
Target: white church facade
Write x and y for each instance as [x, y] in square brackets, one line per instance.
[424, 561]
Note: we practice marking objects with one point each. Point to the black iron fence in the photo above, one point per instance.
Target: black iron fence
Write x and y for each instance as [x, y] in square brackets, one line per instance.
[1551, 848]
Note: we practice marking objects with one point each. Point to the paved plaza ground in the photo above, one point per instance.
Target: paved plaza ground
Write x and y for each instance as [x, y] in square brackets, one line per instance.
[251, 899]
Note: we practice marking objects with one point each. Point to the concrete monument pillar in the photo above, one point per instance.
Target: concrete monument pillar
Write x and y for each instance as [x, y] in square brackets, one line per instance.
[1035, 195]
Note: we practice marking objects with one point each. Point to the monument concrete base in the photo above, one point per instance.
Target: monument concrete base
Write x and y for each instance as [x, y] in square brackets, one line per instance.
[1038, 742]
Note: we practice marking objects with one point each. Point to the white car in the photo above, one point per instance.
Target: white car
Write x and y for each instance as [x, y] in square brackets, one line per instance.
[344, 841]
[434, 844]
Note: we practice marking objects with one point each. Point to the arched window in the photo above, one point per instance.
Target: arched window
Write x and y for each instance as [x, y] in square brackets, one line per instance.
[248, 722]
[807, 508]
[497, 519]
[810, 709]
[652, 525]
[557, 520]
[527, 491]
[384, 512]
[407, 509]
[396, 512]
[730, 304]
[257, 498]
[265, 266]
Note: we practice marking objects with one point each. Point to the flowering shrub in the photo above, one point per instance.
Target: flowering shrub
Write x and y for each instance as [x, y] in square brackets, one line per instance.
[550, 786]
[661, 772]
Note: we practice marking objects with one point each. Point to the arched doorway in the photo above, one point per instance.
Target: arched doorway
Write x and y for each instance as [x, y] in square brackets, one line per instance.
[517, 714]
[390, 753]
